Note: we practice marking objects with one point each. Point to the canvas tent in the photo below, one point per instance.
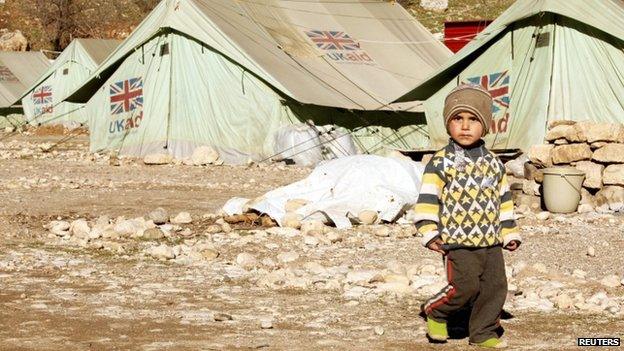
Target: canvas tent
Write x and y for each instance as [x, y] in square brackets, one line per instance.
[542, 60]
[18, 70]
[41, 101]
[231, 73]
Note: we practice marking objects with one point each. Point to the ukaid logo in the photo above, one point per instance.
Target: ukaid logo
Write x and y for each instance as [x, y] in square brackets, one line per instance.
[42, 99]
[126, 105]
[339, 46]
[497, 84]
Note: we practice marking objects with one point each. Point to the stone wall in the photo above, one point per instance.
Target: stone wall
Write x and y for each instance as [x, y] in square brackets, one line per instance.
[594, 148]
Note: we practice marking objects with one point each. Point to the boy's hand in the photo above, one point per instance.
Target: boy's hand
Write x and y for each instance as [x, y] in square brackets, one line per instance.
[436, 245]
[513, 245]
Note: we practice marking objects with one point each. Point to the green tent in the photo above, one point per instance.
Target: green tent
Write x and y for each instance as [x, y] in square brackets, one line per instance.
[18, 70]
[80, 58]
[231, 73]
[542, 60]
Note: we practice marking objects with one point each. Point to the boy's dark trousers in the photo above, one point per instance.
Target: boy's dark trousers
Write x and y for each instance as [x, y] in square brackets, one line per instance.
[477, 276]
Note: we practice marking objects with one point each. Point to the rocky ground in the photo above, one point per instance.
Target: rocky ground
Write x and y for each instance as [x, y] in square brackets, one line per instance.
[134, 257]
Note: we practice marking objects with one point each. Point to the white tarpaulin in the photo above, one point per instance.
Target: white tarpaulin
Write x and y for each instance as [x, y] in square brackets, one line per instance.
[340, 189]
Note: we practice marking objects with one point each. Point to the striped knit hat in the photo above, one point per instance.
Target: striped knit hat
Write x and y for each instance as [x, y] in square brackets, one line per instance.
[469, 98]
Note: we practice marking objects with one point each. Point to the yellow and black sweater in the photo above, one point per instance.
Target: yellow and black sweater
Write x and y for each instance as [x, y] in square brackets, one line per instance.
[465, 199]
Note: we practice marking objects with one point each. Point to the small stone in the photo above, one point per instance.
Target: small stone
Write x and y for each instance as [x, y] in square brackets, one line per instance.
[204, 155]
[563, 302]
[287, 257]
[585, 208]
[222, 317]
[266, 324]
[153, 234]
[215, 228]
[379, 330]
[292, 220]
[368, 217]
[334, 237]
[162, 252]
[310, 241]
[80, 228]
[542, 216]
[182, 218]
[591, 252]
[159, 216]
[209, 254]
[59, 228]
[246, 261]
[157, 159]
[382, 231]
[312, 227]
[611, 281]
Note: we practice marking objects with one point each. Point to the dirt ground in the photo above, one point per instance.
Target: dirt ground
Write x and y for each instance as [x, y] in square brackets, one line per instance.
[58, 296]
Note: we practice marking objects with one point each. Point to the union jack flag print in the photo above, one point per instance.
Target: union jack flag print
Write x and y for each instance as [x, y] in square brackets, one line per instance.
[332, 40]
[497, 84]
[42, 95]
[126, 96]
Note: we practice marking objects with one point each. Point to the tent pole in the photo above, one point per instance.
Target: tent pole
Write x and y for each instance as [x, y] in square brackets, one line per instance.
[552, 71]
[170, 43]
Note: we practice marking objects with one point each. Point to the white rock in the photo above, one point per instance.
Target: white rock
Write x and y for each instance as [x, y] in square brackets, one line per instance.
[246, 260]
[379, 330]
[292, 220]
[159, 216]
[585, 208]
[182, 218]
[542, 216]
[266, 324]
[310, 227]
[157, 159]
[382, 231]
[360, 277]
[162, 252]
[282, 231]
[368, 217]
[287, 257]
[591, 252]
[59, 228]
[434, 5]
[334, 237]
[611, 281]
[310, 240]
[80, 228]
[204, 155]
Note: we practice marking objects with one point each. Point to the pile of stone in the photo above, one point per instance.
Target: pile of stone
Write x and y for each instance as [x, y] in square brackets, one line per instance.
[594, 148]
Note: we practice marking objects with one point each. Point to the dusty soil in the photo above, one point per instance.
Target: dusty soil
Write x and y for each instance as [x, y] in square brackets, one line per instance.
[59, 296]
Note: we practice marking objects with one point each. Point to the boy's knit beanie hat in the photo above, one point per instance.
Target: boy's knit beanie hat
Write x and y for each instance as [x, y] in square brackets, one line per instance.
[469, 98]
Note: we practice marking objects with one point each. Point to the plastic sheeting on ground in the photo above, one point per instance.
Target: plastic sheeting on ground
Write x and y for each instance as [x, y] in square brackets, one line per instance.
[308, 145]
[340, 189]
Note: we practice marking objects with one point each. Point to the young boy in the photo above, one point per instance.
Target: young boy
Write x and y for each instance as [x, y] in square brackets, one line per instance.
[464, 211]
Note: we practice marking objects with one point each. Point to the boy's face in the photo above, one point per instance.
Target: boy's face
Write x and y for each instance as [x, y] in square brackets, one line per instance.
[465, 128]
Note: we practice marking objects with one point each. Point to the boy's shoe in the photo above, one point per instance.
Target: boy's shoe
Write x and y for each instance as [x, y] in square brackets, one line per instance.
[491, 343]
[436, 331]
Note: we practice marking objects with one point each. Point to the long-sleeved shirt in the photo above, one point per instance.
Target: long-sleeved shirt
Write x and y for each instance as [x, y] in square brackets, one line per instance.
[465, 199]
